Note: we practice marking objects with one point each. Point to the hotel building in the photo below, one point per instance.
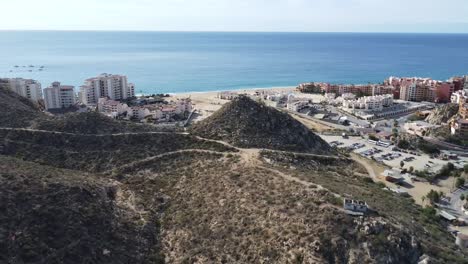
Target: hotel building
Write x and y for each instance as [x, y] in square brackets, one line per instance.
[27, 88]
[59, 96]
[114, 87]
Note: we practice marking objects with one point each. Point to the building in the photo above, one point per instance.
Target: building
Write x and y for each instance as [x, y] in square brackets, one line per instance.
[355, 206]
[59, 96]
[443, 92]
[393, 175]
[463, 110]
[459, 127]
[460, 96]
[418, 127]
[376, 103]
[27, 88]
[112, 108]
[114, 87]
[465, 82]
[227, 95]
[297, 106]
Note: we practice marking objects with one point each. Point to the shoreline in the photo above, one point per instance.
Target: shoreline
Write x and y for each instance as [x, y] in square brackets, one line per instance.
[273, 88]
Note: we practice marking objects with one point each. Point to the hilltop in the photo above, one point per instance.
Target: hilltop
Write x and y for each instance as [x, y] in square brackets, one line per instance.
[17, 111]
[246, 123]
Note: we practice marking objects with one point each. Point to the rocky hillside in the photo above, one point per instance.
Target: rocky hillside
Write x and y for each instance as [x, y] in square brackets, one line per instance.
[442, 114]
[246, 123]
[96, 153]
[112, 195]
[222, 211]
[61, 216]
[16, 110]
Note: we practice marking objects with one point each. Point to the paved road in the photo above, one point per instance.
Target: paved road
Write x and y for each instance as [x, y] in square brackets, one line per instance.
[444, 144]
[454, 207]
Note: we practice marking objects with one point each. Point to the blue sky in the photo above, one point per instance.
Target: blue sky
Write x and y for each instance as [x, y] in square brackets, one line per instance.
[447, 16]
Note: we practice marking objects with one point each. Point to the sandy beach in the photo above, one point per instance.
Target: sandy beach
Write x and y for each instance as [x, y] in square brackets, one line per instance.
[207, 102]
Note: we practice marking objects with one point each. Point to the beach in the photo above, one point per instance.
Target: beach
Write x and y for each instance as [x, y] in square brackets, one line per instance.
[208, 102]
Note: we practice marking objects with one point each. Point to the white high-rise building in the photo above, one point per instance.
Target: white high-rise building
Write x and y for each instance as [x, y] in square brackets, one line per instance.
[28, 88]
[114, 87]
[59, 96]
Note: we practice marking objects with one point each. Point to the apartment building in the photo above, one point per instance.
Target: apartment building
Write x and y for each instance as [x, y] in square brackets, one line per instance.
[376, 103]
[463, 110]
[460, 127]
[459, 96]
[27, 88]
[59, 96]
[114, 87]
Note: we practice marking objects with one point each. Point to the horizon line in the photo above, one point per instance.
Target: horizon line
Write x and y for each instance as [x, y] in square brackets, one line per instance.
[229, 31]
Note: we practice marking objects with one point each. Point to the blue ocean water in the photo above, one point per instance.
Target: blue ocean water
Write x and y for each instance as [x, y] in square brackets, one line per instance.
[195, 61]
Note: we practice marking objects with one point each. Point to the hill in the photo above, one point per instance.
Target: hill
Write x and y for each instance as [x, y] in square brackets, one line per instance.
[95, 153]
[51, 215]
[17, 111]
[246, 123]
[88, 123]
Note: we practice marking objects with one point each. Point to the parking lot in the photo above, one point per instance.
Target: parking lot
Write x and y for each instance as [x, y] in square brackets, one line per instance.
[388, 156]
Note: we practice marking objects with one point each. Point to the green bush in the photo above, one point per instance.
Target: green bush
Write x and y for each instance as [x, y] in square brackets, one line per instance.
[460, 182]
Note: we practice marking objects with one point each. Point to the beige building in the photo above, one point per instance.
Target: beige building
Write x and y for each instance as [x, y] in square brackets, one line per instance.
[27, 88]
[59, 96]
[114, 87]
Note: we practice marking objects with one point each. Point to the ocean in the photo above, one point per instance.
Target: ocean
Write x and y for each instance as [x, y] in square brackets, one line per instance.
[175, 62]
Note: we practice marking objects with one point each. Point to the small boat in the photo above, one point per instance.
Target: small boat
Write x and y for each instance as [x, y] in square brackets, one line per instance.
[29, 70]
[40, 69]
[16, 66]
[42, 66]
[11, 71]
[31, 66]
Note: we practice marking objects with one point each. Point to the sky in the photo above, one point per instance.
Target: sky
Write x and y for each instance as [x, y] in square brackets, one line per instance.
[441, 16]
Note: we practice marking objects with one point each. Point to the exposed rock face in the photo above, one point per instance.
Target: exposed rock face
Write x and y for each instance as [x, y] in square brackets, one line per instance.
[17, 111]
[442, 114]
[250, 124]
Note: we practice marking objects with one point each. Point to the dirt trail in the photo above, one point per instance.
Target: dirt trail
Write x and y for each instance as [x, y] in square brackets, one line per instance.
[297, 180]
[366, 165]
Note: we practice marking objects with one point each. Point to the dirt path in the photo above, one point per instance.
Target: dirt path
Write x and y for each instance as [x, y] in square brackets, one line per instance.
[297, 180]
[366, 165]
[129, 165]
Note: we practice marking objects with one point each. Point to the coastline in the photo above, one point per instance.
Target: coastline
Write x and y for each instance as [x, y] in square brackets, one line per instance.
[207, 102]
[273, 88]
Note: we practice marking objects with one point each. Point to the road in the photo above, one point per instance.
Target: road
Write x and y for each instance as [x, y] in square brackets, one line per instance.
[454, 206]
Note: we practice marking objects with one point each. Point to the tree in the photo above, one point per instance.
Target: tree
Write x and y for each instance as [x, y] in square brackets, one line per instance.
[462, 197]
[395, 123]
[402, 164]
[403, 144]
[433, 196]
[460, 182]
[465, 168]
[411, 169]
